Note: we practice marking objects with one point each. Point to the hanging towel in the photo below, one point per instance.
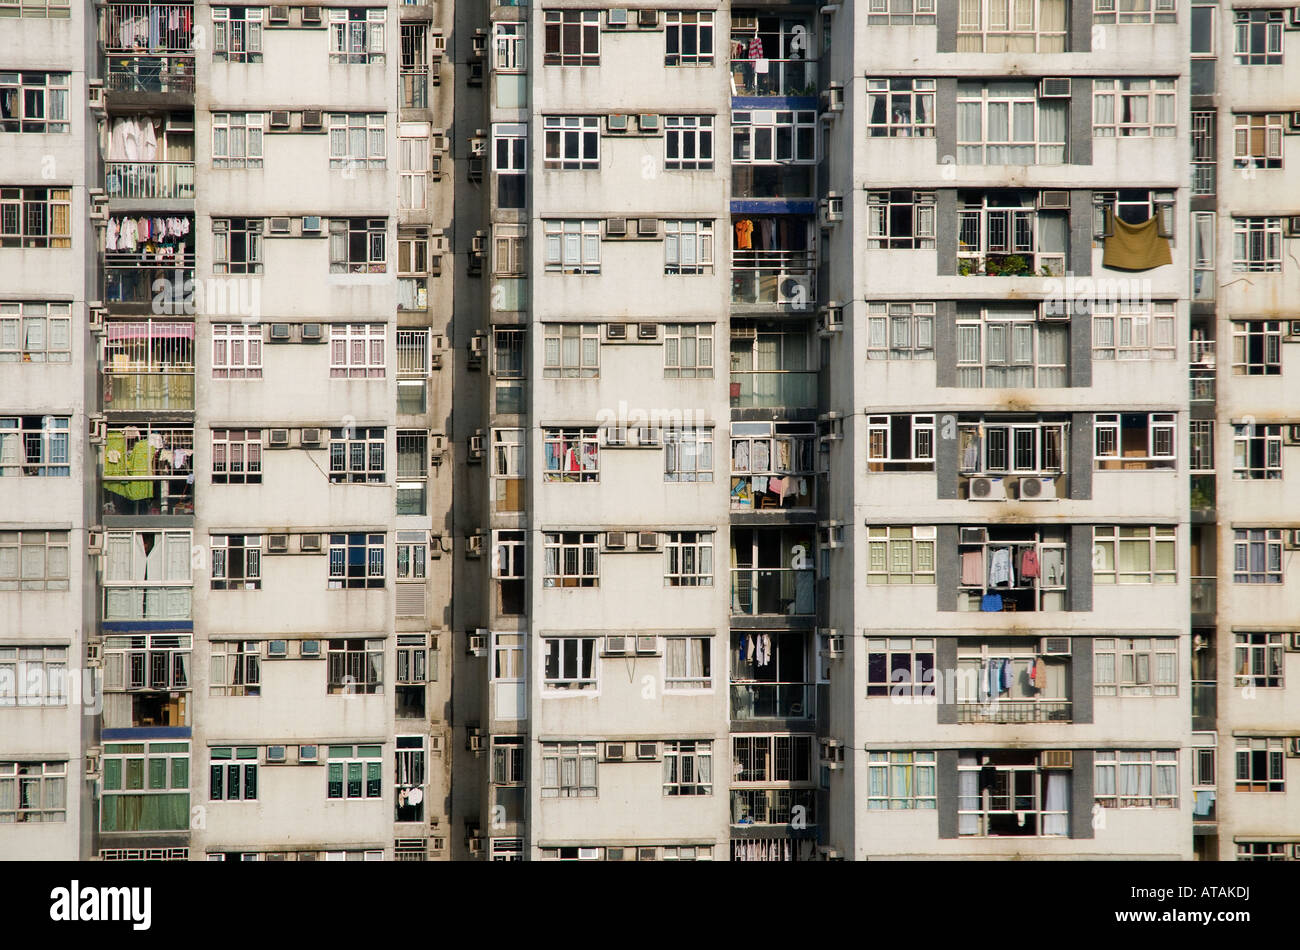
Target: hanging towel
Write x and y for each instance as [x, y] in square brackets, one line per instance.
[1134, 246]
[1040, 674]
[776, 485]
[1029, 563]
[972, 569]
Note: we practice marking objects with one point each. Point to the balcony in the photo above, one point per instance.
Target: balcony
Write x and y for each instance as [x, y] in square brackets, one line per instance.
[1204, 705]
[153, 603]
[1016, 711]
[784, 181]
[149, 180]
[784, 591]
[1204, 596]
[149, 366]
[148, 471]
[774, 77]
[148, 48]
[774, 277]
[1203, 494]
[1025, 264]
[773, 390]
[772, 806]
[773, 701]
[1201, 371]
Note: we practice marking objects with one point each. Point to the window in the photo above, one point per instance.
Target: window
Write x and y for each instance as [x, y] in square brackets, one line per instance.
[569, 663]
[1134, 107]
[572, 247]
[510, 247]
[1123, 554]
[33, 676]
[900, 108]
[1259, 659]
[1132, 331]
[688, 351]
[357, 455]
[900, 331]
[508, 467]
[572, 38]
[156, 661]
[236, 456]
[900, 443]
[1257, 556]
[1004, 123]
[688, 247]
[236, 561]
[146, 787]
[412, 193]
[35, 332]
[1256, 348]
[35, 217]
[1204, 145]
[33, 560]
[688, 36]
[1125, 779]
[412, 470]
[412, 559]
[568, 770]
[688, 454]
[1257, 140]
[900, 12]
[1019, 26]
[237, 34]
[1261, 766]
[765, 137]
[688, 141]
[772, 759]
[1258, 39]
[688, 662]
[688, 768]
[34, 102]
[1133, 206]
[356, 36]
[236, 351]
[900, 666]
[1135, 666]
[410, 771]
[901, 780]
[237, 139]
[510, 163]
[357, 350]
[356, 140]
[1204, 240]
[509, 760]
[1134, 440]
[34, 446]
[509, 47]
[1001, 232]
[1201, 445]
[1263, 850]
[572, 141]
[572, 559]
[900, 554]
[997, 572]
[237, 245]
[413, 66]
[236, 668]
[688, 559]
[572, 350]
[356, 560]
[232, 773]
[33, 791]
[900, 219]
[1257, 245]
[357, 245]
[989, 447]
[1256, 451]
[509, 554]
[1009, 794]
[354, 772]
[1006, 346]
[572, 455]
[1134, 11]
[355, 667]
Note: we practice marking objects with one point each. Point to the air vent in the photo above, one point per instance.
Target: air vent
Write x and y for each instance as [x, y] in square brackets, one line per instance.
[310, 15]
[310, 223]
[1054, 89]
[279, 118]
[279, 14]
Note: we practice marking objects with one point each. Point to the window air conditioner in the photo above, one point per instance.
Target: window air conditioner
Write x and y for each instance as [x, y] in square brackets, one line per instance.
[616, 331]
[615, 540]
[1056, 646]
[309, 543]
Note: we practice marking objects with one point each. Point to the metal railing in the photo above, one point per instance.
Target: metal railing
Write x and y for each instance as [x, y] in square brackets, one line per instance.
[136, 285]
[770, 390]
[1016, 711]
[773, 591]
[1201, 361]
[157, 27]
[773, 701]
[149, 179]
[780, 277]
[773, 77]
[772, 806]
[150, 73]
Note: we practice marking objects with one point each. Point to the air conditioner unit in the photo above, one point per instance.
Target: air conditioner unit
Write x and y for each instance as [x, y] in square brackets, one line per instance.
[1054, 200]
[647, 540]
[279, 118]
[308, 754]
[616, 331]
[646, 751]
[95, 94]
[309, 543]
[98, 429]
[277, 649]
[647, 645]
[437, 448]
[1291, 539]
[279, 439]
[616, 18]
[616, 227]
[279, 14]
[313, 332]
[311, 118]
[832, 100]
[95, 541]
[984, 488]
[615, 540]
[310, 15]
[1038, 489]
[1054, 646]
[475, 743]
[647, 19]
[478, 145]
[647, 437]
[794, 290]
[1294, 18]
[477, 643]
[1291, 227]
[280, 225]
[614, 751]
[830, 534]
[474, 545]
[973, 536]
[276, 753]
[311, 224]
[1293, 330]
[1054, 89]
[830, 320]
[1058, 759]
[277, 544]
[647, 331]
[834, 646]
[475, 171]
[477, 348]
[832, 208]
[281, 333]
[478, 43]
[647, 227]
[98, 204]
[310, 438]
[1052, 311]
[476, 447]
[1293, 746]
[95, 316]
[828, 854]
[619, 646]
[1293, 642]
[647, 122]
[616, 122]
[1293, 123]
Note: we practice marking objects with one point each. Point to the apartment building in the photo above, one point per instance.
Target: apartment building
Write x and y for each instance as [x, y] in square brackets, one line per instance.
[382, 474]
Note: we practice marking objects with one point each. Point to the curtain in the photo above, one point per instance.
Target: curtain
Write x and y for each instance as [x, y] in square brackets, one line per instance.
[675, 658]
[1166, 780]
[1053, 355]
[970, 130]
[968, 795]
[1052, 117]
[1058, 800]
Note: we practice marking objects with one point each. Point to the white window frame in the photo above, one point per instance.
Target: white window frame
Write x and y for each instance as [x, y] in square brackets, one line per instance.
[1256, 245]
[771, 137]
[901, 554]
[235, 668]
[1133, 330]
[368, 759]
[688, 559]
[235, 40]
[880, 220]
[35, 332]
[688, 246]
[570, 559]
[1270, 126]
[1274, 779]
[900, 12]
[1267, 542]
[509, 46]
[33, 792]
[996, 26]
[33, 675]
[237, 139]
[18, 560]
[50, 117]
[236, 456]
[339, 546]
[1259, 659]
[569, 770]
[1150, 541]
[1244, 36]
[570, 664]
[357, 350]
[225, 762]
[1270, 339]
[688, 350]
[908, 106]
[357, 139]
[572, 142]
[236, 351]
[997, 360]
[583, 441]
[680, 23]
[1161, 440]
[688, 767]
[980, 152]
[1134, 11]
[882, 454]
[895, 780]
[900, 331]
[571, 350]
[688, 453]
[223, 229]
[1247, 437]
[1149, 779]
[688, 142]
[572, 246]
[358, 455]
[222, 547]
[688, 663]
[1134, 108]
[1135, 666]
[357, 40]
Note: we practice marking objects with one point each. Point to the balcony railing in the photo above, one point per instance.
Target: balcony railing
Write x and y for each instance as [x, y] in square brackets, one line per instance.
[150, 73]
[773, 277]
[156, 27]
[771, 390]
[149, 180]
[772, 591]
[1016, 711]
[773, 701]
[1024, 264]
[1205, 699]
[773, 77]
[772, 806]
[1204, 595]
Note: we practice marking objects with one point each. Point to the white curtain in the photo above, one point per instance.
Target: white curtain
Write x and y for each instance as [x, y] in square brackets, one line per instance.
[1052, 118]
[968, 795]
[1058, 800]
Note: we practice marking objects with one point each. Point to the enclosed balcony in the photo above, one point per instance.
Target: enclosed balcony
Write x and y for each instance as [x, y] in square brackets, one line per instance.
[148, 48]
[773, 261]
[771, 55]
[1001, 233]
[772, 465]
[773, 806]
[147, 576]
[771, 366]
[769, 676]
[149, 366]
[1007, 568]
[772, 572]
[148, 470]
[1201, 371]
[149, 260]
